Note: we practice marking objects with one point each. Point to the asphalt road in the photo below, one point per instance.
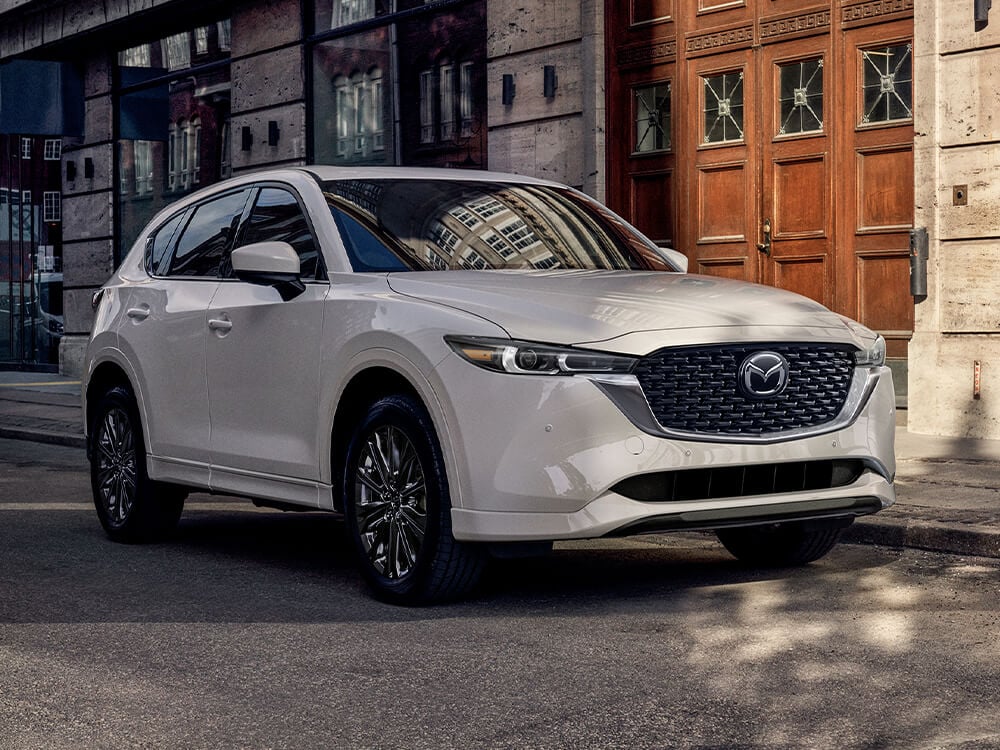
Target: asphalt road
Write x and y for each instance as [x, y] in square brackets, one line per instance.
[251, 629]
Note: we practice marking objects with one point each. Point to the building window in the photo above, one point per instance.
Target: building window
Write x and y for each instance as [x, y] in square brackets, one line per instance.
[225, 158]
[801, 97]
[723, 108]
[177, 49]
[427, 106]
[652, 118]
[136, 57]
[53, 149]
[201, 40]
[446, 92]
[465, 93]
[51, 206]
[887, 84]
[25, 148]
[143, 167]
[415, 82]
[223, 30]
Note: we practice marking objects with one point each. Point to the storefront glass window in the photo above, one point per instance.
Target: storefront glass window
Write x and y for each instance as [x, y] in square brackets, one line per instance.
[365, 84]
[173, 129]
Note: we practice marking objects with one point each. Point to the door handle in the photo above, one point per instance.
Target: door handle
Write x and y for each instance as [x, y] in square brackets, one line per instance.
[765, 246]
[138, 313]
[220, 324]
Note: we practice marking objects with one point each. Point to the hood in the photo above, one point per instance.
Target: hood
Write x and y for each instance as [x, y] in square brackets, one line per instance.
[626, 311]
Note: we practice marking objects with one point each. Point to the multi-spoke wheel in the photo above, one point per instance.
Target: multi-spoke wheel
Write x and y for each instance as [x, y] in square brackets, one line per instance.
[398, 508]
[784, 544]
[130, 506]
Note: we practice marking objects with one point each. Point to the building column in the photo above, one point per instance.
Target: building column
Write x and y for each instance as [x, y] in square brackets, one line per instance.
[87, 213]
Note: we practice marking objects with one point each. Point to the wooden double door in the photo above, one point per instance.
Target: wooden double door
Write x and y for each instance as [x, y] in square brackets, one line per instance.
[771, 141]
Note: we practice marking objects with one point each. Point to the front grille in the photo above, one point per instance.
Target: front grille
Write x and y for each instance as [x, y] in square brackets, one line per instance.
[740, 481]
[696, 390]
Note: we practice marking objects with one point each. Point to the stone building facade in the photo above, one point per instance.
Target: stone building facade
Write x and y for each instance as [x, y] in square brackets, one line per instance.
[956, 340]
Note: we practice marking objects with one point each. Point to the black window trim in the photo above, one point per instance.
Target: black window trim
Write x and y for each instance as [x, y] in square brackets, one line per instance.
[322, 273]
[189, 212]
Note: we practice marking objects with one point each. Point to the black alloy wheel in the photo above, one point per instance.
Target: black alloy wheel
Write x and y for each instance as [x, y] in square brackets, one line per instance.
[398, 508]
[130, 506]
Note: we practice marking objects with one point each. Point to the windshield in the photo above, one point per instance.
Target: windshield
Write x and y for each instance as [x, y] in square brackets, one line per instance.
[441, 225]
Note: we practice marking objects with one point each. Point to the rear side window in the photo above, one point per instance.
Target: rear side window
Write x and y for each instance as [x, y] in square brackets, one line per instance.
[208, 236]
[158, 252]
[277, 217]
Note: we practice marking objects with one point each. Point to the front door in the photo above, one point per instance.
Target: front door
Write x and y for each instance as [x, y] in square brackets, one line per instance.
[790, 157]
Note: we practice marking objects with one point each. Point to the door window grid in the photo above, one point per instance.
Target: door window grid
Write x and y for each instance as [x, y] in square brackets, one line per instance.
[801, 97]
[723, 107]
[652, 118]
[887, 84]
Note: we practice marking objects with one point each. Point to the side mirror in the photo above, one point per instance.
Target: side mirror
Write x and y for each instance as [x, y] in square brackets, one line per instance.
[676, 257]
[274, 264]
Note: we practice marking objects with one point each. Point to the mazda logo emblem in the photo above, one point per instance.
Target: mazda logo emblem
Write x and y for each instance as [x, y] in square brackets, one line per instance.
[763, 375]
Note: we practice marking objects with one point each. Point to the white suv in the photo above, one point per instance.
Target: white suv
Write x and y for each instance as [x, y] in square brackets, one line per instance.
[464, 363]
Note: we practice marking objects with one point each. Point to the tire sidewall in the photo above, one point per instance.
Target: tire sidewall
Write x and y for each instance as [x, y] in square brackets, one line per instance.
[403, 413]
[120, 397]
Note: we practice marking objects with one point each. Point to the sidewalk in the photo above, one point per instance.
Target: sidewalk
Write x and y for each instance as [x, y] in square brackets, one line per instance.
[948, 489]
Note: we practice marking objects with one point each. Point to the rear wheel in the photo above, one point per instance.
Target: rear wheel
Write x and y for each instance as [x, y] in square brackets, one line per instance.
[783, 544]
[398, 508]
[130, 506]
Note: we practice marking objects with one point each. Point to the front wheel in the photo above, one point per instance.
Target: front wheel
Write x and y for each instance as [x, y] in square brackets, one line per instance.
[783, 544]
[130, 506]
[398, 508]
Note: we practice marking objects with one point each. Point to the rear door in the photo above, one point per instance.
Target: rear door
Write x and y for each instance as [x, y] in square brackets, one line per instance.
[263, 362]
[164, 327]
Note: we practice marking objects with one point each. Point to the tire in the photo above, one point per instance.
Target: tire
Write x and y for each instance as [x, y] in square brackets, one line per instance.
[784, 544]
[131, 507]
[398, 509]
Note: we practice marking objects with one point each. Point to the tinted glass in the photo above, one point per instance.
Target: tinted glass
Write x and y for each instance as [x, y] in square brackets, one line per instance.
[158, 252]
[207, 237]
[431, 225]
[277, 217]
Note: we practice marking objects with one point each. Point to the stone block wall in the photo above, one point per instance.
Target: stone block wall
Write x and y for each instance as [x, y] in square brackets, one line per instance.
[957, 196]
[562, 137]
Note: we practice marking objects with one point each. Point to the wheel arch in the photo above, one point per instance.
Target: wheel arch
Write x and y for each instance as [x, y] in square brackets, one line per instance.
[365, 387]
[105, 376]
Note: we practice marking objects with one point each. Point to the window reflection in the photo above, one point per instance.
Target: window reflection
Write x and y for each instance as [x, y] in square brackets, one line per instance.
[482, 226]
[174, 129]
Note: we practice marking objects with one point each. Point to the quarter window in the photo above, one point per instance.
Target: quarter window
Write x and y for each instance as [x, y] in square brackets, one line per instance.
[277, 217]
[208, 236]
[158, 248]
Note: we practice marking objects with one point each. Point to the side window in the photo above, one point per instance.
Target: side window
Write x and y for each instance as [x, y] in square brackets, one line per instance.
[365, 251]
[158, 249]
[206, 238]
[277, 217]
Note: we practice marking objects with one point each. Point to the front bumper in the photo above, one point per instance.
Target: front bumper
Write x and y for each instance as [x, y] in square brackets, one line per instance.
[538, 458]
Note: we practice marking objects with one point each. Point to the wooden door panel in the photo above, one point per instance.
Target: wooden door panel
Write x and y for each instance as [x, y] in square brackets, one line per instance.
[804, 275]
[885, 188]
[720, 191]
[801, 203]
[651, 200]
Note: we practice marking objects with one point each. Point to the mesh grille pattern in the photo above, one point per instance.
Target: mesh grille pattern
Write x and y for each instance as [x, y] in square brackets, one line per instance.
[696, 390]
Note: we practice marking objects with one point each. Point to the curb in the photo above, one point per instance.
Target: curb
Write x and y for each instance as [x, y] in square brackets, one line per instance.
[954, 539]
[43, 436]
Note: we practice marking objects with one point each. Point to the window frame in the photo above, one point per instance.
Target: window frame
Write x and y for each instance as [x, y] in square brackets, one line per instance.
[322, 272]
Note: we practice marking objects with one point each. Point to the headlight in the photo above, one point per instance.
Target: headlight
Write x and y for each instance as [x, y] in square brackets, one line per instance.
[527, 358]
[873, 356]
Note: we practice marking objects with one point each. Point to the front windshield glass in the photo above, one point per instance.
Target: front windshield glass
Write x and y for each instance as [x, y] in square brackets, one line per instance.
[441, 225]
